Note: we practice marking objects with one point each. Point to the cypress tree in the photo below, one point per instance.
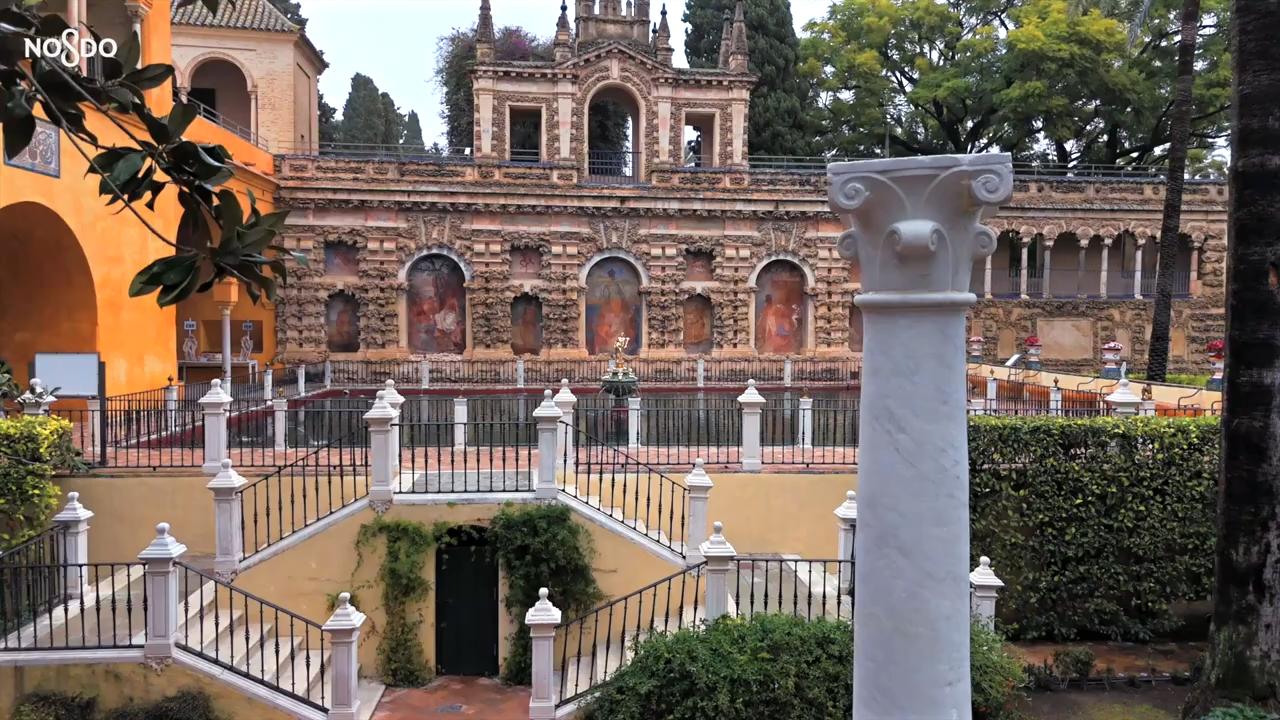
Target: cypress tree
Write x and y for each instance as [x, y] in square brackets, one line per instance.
[330, 129]
[778, 124]
[413, 131]
[392, 121]
[362, 116]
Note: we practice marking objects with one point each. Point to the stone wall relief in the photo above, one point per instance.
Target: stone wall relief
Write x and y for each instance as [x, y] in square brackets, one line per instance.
[436, 305]
[613, 305]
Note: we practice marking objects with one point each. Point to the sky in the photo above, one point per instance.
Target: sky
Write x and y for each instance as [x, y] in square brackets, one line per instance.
[394, 42]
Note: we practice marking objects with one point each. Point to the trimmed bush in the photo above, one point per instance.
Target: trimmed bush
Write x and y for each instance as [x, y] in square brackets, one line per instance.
[55, 706]
[1095, 524]
[185, 705]
[1239, 712]
[32, 449]
[773, 666]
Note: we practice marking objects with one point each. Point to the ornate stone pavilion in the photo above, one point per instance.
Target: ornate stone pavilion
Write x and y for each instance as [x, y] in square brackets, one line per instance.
[537, 241]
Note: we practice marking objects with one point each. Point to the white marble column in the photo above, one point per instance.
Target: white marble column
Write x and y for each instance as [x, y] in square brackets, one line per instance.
[1084, 251]
[915, 229]
[1193, 287]
[1022, 276]
[1137, 269]
[1046, 278]
[1102, 277]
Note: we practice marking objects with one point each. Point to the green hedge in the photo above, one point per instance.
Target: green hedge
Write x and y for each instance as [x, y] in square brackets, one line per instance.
[771, 666]
[32, 450]
[185, 705]
[1096, 524]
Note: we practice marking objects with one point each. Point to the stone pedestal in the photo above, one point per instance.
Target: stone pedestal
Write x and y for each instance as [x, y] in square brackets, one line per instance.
[542, 619]
[343, 631]
[547, 419]
[214, 406]
[915, 230]
[383, 483]
[227, 524]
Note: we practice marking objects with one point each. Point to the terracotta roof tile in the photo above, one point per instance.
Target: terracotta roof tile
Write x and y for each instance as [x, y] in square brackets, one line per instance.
[244, 15]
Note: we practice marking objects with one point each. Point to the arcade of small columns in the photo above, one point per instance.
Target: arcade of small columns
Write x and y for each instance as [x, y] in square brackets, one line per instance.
[1132, 253]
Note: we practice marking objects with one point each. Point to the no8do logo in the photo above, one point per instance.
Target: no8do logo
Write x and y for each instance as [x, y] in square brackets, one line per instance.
[69, 48]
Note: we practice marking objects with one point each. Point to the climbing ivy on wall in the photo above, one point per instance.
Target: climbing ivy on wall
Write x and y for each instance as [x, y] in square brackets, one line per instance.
[536, 545]
[1095, 525]
[401, 660]
[541, 546]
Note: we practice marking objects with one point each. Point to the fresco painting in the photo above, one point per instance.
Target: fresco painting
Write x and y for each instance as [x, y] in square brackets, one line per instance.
[614, 306]
[780, 309]
[526, 263]
[526, 325]
[342, 323]
[437, 306]
[698, 266]
[341, 260]
[698, 321]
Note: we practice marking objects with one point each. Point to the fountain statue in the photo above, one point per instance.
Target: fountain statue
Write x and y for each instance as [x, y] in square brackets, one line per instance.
[620, 382]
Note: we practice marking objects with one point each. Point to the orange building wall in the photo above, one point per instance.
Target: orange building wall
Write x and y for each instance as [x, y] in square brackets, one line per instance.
[136, 338]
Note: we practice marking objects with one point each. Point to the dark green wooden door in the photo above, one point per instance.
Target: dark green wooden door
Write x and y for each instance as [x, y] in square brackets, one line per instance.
[467, 609]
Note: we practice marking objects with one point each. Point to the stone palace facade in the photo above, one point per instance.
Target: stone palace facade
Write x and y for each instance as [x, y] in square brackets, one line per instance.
[540, 241]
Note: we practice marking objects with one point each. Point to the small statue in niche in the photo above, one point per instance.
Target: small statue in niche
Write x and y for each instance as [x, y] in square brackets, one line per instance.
[246, 342]
[190, 346]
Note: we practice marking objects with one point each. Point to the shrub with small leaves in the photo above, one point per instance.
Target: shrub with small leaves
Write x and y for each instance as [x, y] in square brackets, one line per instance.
[995, 675]
[55, 706]
[32, 449]
[1096, 524]
[1073, 663]
[1240, 712]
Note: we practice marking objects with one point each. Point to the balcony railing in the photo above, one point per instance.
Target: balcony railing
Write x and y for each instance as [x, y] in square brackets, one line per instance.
[221, 120]
[613, 167]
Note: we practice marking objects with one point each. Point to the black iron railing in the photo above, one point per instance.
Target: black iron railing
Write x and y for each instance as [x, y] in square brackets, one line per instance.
[613, 167]
[304, 492]
[591, 648]
[252, 637]
[824, 434]
[675, 431]
[481, 456]
[46, 548]
[617, 485]
[39, 610]
[809, 589]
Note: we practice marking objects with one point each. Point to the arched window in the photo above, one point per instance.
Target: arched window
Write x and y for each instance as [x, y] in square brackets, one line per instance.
[614, 307]
[222, 87]
[526, 325]
[436, 305]
[781, 309]
[699, 325]
[342, 323]
[613, 137]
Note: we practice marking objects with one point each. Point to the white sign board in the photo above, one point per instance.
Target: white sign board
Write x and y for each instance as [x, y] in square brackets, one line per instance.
[75, 373]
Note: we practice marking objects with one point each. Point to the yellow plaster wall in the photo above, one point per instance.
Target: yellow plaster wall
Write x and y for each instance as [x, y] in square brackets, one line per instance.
[780, 513]
[119, 684]
[126, 509]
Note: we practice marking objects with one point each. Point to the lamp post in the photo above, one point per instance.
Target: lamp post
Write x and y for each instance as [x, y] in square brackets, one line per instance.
[225, 295]
[915, 229]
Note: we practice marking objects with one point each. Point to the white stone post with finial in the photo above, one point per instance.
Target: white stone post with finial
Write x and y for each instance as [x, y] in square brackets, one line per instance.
[984, 589]
[1055, 399]
[73, 521]
[161, 581]
[695, 527]
[719, 555]
[1123, 402]
[396, 401]
[268, 380]
[542, 620]
[280, 424]
[847, 535]
[547, 418]
[752, 403]
[228, 538]
[914, 227]
[383, 483]
[214, 406]
[805, 418]
[343, 631]
[566, 401]
[459, 422]
[633, 422]
[170, 405]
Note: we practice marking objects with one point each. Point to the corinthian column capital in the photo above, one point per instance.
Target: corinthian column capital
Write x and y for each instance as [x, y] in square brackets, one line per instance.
[915, 224]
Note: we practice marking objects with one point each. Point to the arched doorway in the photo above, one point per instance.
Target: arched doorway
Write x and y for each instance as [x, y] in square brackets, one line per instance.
[614, 306]
[342, 323]
[38, 315]
[781, 309]
[614, 138]
[526, 325]
[436, 305]
[699, 325]
[221, 86]
[466, 603]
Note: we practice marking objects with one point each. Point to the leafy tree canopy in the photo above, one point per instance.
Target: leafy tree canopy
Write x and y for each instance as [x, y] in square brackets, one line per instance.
[455, 54]
[1047, 80]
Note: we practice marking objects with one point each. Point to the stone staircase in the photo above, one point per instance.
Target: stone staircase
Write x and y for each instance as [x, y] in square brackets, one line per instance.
[628, 516]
